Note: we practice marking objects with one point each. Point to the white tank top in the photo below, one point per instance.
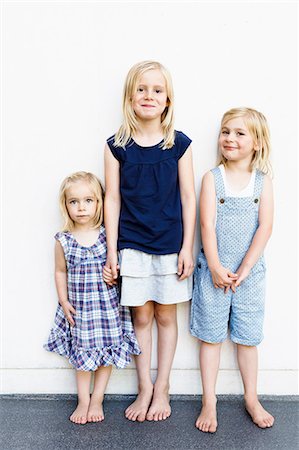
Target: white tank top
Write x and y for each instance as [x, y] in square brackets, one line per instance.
[246, 192]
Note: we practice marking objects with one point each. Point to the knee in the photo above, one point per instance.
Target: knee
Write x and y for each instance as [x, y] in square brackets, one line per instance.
[142, 320]
[165, 318]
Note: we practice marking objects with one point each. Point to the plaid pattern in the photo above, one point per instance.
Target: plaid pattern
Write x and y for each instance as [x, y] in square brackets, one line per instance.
[103, 334]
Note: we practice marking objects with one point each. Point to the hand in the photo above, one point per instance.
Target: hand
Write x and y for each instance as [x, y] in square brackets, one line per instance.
[107, 276]
[185, 264]
[69, 311]
[243, 273]
[223, 278]
[110, 271]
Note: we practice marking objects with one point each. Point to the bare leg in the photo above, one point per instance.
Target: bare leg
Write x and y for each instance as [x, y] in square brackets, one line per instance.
[143, 320]
[209, 366]
[79, 416]
[95, 410]
[248, 364]
[167, 339]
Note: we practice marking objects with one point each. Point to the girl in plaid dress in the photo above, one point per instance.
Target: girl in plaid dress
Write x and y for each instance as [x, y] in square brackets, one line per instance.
[91, 328]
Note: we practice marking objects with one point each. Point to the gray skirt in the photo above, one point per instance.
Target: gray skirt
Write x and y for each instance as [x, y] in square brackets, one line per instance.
[146, 277]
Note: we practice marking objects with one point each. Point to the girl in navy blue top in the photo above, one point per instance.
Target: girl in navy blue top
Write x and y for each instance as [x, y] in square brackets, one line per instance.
[150, 219]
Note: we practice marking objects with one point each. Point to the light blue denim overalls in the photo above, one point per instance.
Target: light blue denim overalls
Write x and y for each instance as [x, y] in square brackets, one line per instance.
[212, 311]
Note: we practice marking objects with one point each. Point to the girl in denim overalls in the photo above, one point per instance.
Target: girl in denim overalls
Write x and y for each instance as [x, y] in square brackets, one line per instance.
[236, 205]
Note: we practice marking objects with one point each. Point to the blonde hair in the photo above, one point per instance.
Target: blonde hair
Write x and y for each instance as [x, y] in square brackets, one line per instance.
[98, 191]
[258, 128]
[130, 121]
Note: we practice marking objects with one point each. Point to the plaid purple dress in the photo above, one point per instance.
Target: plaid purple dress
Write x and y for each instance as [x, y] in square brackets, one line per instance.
[103, 333]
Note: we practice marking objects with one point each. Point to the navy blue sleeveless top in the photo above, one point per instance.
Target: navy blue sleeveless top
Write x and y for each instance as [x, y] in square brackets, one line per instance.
[151, 211]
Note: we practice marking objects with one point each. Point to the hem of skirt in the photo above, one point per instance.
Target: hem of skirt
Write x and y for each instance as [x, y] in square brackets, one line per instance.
[156, 301]
[118, 356]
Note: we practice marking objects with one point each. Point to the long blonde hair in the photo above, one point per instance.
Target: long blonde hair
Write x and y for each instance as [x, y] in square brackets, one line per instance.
[130, 121]
[97, 189]
[258, 128]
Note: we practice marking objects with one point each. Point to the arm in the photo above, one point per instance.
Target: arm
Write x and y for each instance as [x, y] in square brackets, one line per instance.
[111, 209]
[186, 180]
[262, 233]
[61, 283]
[222, 277]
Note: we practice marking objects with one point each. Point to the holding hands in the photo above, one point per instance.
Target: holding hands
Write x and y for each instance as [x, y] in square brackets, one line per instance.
[110, 270]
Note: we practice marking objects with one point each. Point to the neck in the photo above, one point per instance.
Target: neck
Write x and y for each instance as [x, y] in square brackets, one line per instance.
[149, 129]
[239, 166]
[82, 228]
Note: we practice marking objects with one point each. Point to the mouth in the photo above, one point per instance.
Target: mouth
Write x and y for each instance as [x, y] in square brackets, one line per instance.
[229, 148]
[148, 106]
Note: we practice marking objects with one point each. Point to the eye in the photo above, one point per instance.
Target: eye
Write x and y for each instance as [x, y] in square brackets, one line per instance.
[140, 90]
[89, 200]
[239, 133]
[225, 132]
[158, 91]
[73, 202]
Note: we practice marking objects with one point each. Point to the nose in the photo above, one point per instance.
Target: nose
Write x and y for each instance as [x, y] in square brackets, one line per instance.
[148, 94]
[81, 206]
[229, 137]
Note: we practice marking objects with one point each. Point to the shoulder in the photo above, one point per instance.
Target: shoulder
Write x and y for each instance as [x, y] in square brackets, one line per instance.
[62, 239]
[61, 235]
[208, 180]
[267, 183]
[181, 143]
[181, 137]
[116, 151]
[211, 174]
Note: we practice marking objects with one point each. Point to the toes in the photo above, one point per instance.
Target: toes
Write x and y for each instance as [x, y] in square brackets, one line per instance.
[149, 416]
[212, 428]
[141, 417]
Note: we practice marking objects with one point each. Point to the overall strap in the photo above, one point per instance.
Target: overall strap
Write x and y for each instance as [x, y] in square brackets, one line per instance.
[219, 185]
[258, 185]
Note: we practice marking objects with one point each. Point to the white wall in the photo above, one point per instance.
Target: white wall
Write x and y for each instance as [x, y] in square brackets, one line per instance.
[64, 65]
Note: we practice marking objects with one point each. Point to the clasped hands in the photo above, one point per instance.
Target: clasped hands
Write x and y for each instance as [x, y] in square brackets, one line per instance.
[225, 279]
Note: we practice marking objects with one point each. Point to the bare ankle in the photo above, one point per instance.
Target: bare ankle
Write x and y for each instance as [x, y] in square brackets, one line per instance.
[251, 398]
[162, 387]
[208, 399]
[145, 387]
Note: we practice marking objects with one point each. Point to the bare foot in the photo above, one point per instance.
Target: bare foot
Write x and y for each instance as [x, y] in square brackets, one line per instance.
[160, 407]
[95, 410]
[207, 419]
[138, 409]
[258, 414]
[79, 416]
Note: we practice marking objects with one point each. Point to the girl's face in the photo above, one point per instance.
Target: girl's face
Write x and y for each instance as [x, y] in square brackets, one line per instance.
[150, 99]
[235, 141]
[81, 203]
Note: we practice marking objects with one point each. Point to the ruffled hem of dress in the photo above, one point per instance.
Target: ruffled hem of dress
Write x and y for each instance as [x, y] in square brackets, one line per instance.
[91, 360]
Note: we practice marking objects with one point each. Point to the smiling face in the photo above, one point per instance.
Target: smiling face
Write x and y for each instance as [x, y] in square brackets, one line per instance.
[81, 203]
[150, 98]
[235, 141]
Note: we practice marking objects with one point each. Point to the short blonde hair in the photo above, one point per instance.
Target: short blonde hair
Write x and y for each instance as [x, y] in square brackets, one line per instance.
[97, 189]
[130, 121]
[258, 128]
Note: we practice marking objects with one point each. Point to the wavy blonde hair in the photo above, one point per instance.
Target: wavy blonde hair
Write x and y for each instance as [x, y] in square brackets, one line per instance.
[97, 189]
[130, 121]
[258, 128]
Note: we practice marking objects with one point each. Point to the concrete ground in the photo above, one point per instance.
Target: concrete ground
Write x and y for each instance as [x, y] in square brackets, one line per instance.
[41, 423]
